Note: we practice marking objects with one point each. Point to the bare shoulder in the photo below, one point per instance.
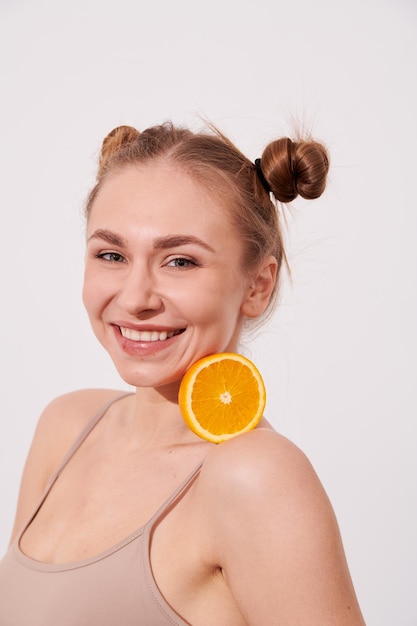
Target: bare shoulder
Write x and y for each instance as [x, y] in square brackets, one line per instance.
[59, 424]
[65, 417]
[268, 512]
[71, 411]
[261, 477]
[259, 461]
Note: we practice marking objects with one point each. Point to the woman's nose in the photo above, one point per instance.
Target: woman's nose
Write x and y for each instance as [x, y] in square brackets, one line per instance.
[139, 293]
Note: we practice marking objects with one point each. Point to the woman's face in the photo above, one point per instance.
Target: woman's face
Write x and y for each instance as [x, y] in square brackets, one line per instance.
[163, 279]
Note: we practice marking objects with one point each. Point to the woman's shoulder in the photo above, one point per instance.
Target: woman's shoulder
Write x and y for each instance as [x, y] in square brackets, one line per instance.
[261, 455]
[82, 400]
[265, 510]
[67, 415]
[58, 426]
[73, 409]
[262, 475]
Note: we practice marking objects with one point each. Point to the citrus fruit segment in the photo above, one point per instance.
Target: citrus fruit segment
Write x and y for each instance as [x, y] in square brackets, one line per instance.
[221, 396]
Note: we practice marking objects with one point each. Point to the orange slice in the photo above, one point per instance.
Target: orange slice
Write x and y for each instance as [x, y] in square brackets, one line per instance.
[221, 396]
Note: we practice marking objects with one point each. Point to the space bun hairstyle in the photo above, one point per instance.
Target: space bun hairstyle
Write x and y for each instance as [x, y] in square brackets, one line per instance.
[292, 168]
[250, 192]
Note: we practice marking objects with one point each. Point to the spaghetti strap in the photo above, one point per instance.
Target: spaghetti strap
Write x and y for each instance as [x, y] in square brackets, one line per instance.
[173, 498]
[84, 434]
[72, 450]
[151, 584]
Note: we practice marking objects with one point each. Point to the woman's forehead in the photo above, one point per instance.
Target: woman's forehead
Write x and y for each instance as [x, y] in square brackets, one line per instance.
[163, 201]
[158, 187]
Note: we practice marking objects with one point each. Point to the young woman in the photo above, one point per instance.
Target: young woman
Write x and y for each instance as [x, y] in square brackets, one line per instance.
[125, 516]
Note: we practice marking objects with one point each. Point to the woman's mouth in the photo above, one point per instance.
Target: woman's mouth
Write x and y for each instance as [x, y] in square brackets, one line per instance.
[145, 336]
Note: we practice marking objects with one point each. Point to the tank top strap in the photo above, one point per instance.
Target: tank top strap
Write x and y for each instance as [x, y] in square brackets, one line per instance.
[83, 435]
[173, 499]
[72, 450]
[145, 545]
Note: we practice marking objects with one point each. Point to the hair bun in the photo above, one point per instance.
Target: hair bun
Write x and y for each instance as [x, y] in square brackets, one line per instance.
[113, 142]
[294, 168]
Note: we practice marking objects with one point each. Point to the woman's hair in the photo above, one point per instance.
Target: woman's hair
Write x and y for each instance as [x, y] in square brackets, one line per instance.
[248, 190]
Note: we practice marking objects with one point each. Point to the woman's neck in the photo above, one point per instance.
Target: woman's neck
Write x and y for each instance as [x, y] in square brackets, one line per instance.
[156, 418]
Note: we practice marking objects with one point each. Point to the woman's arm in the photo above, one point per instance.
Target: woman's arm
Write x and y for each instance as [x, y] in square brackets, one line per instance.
[277, 537]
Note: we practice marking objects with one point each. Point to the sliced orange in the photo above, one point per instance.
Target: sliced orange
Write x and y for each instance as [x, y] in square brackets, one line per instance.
[221, 396]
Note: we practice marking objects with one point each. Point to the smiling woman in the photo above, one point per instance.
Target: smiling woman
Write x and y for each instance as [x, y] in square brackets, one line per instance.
[158, 249]
[145, 522]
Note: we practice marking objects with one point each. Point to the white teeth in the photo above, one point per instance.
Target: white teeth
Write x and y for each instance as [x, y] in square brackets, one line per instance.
[146, 335]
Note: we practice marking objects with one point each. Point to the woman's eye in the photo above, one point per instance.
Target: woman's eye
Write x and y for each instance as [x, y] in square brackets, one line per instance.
[181, 263]
[111, 257]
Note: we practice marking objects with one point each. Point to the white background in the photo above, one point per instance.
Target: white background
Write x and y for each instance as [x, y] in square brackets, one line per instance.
[339, 356]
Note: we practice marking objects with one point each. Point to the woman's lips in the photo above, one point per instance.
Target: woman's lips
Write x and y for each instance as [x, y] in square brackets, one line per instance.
[145, 336]
[141, 343]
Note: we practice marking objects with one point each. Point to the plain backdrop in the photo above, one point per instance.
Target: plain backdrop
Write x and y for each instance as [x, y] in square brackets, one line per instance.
[339, 355]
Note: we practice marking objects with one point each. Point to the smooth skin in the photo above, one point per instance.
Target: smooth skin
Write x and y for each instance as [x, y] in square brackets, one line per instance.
[254, 540]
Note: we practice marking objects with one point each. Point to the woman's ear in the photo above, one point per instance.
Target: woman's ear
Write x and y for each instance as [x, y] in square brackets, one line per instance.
[260, 288]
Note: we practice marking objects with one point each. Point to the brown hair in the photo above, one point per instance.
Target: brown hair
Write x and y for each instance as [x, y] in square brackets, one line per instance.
[285, 170]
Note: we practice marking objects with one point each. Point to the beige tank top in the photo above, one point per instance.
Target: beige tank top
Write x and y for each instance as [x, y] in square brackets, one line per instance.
[114, 588]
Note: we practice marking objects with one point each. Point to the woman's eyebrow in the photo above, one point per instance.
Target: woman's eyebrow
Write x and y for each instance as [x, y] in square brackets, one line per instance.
[173, 241]
[160, 243]
[109, 236]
